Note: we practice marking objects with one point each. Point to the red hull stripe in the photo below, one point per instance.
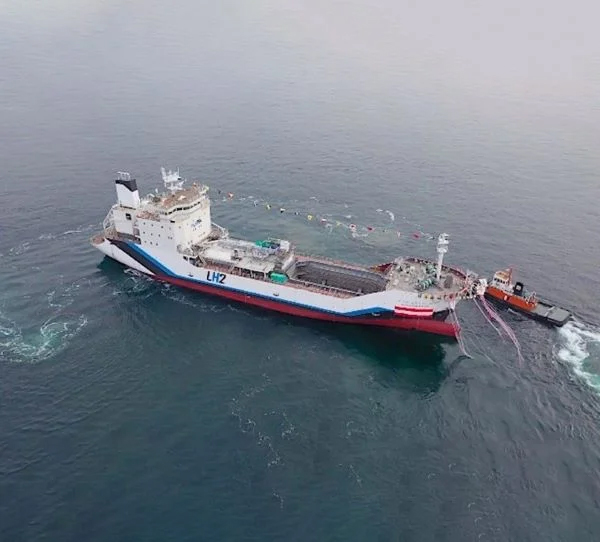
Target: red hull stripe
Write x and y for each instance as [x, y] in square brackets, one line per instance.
[414, 309]
[411, 314]
[436, 327]
[415, 312]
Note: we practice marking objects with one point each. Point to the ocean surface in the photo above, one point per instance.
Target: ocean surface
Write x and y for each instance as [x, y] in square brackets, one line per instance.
[131, 410]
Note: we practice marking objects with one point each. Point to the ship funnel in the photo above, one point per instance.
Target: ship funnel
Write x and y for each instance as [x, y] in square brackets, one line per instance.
[442, 248]
[127, 190]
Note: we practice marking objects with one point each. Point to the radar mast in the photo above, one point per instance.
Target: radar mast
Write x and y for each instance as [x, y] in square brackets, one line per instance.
[442, 248]
[172, 180]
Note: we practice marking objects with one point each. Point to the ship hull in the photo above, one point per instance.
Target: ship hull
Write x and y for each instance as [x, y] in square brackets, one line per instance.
[376, 310]
[436, 326]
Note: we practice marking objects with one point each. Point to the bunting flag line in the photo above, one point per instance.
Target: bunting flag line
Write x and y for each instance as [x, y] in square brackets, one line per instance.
[333, 221]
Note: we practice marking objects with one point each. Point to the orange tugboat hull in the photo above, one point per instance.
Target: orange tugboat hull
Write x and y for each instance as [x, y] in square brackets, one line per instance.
[515, 301]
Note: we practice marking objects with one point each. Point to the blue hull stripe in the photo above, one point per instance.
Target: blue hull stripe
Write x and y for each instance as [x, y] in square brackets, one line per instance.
[144, 256]
[155, 262]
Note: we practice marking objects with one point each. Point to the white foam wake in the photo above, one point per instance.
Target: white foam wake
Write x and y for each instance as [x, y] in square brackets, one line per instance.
[32, 347]
[579, 345]
[33, 344]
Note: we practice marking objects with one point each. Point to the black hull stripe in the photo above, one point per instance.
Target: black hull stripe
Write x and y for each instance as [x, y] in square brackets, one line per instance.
[134, 255]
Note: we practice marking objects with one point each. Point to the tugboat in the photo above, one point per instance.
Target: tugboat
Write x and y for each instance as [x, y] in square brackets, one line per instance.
[502, 291]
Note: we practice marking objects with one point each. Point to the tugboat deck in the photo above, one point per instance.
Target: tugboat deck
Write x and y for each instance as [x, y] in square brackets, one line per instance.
[551, 314]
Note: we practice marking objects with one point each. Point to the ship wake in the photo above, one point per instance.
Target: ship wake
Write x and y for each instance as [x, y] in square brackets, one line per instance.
[19, 346]
[35, 342]
[579, 346]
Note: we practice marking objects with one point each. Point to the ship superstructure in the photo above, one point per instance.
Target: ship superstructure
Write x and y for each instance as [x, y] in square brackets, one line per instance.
[170, 236]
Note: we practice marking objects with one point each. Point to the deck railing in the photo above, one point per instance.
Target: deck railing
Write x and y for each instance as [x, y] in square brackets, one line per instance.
[109, 221]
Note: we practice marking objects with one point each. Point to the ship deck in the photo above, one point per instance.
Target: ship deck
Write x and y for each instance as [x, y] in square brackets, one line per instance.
[314, 273]
[239, 254]
[551, 314]
[292, 282]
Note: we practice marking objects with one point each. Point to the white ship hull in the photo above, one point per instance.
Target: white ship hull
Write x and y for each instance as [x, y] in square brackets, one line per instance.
[375, 309]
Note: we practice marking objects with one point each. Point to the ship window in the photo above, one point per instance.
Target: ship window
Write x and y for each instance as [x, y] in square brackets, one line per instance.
[128, 216]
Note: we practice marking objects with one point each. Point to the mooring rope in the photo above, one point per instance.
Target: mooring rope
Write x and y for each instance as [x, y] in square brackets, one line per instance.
[458, 331]
[488, 319]
[505, 327]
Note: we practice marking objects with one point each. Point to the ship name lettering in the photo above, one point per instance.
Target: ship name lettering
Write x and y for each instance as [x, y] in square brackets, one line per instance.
[213, 276]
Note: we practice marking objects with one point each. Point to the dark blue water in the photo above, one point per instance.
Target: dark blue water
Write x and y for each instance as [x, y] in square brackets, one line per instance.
[135, 411]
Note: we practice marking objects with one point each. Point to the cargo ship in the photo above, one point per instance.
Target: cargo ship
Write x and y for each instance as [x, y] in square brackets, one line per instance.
[170, 237]
[502, 291]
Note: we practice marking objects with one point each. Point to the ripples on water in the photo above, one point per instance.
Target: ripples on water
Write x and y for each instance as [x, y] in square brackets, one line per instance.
[21, 340]
[52, 337]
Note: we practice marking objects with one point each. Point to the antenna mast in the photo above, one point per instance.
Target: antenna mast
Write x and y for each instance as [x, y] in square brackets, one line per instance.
[442, 248]
[173, 182]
